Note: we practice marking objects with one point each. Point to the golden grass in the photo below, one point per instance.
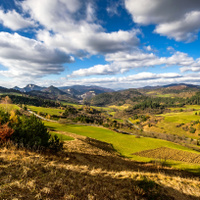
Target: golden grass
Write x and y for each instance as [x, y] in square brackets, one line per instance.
[171, 154]
[89, 169]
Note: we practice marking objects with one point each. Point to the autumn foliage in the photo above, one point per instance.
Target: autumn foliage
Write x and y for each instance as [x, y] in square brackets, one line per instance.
[5, 132]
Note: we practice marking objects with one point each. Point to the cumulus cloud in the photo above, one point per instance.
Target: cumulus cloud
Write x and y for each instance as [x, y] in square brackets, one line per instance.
[148, 48]
[14, 20]
[87, 39]
[71, 26]
[112, 8]
[121, 62]
[175, 19]
[182, 30]
[136, 80]
[24, 57]
[64, 28]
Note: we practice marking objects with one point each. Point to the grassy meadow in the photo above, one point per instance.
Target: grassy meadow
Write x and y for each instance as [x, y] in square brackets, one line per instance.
[9, 107]
[178, 122]
[126, 145]
[86, 171]
[102, 166]
[50, 111]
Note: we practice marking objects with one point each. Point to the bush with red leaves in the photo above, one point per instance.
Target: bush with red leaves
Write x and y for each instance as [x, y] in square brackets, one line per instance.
[5, 132]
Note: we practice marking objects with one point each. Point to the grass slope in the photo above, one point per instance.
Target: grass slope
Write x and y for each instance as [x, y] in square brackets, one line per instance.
[169, 123]
[84, 171]
[126, 145]
[9, 107]
[50, 111]
[61, 136]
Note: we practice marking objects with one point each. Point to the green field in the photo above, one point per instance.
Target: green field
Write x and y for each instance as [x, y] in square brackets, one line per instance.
[62, 136]
[170, 121]
[71, 104]
[164, 95]
[11, 93]
[180, 117]
[186, 108]
[126, 145]
[50, 111]
[9, 107]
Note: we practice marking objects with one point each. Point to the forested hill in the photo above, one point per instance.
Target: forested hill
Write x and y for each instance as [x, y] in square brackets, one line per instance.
[120, 97]
[171, 95]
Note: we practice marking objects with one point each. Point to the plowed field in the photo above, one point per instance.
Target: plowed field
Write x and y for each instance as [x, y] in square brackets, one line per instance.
[170, 154]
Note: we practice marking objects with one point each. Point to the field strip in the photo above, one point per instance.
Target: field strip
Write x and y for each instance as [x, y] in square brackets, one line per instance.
[170, 154]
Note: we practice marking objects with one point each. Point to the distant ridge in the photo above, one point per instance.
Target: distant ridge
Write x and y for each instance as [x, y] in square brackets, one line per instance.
[182, 84]
[170, 86]
[29, 87]
[53, 90]
[6, 90]
[83, 89]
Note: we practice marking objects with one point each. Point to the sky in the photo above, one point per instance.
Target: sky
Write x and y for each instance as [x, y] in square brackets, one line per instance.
[110, 43]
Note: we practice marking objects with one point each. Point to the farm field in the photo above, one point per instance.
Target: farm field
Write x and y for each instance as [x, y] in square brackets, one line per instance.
[71, 104]
[126, 145]
[111, 108]
[9, 107]
[50, 111]
[165, 95]
[186, 108]
[178, 123]
[123, 107]
[171, 154]
[11, 93]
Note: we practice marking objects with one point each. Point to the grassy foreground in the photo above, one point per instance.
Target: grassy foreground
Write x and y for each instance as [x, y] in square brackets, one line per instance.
[61, 136]
[126, 145]
[85, 171]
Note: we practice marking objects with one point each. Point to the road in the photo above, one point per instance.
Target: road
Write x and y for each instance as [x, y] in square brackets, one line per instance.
[43, 118]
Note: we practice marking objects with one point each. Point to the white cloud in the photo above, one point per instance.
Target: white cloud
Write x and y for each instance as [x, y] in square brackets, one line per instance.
[14, 20]
[175, 19]
[87, 39]
[183, 30]
[134, 81]
[170, 49]
[112, 8]
[148, 48]
[122, 62]
[70, 25]
[24, 57]
[55, 14]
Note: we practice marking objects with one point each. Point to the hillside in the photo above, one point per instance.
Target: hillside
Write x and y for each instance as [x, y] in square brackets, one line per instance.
[6, 90]
[29, 87]
[81, 89]
[173, 90]
[167, 94]
[53, 90]
[89, 169]
[67, 93]
[119, 97]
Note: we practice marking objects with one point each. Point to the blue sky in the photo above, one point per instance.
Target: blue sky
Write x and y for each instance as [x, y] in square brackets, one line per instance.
[110, 43]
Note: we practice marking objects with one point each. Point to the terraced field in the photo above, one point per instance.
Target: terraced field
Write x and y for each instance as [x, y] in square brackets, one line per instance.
[171, 154]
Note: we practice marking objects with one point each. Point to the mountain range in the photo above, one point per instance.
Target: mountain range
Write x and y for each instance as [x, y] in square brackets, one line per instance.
[77, 93]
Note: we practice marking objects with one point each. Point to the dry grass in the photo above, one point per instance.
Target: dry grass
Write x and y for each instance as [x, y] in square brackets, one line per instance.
[171, 154]
[89, 170]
